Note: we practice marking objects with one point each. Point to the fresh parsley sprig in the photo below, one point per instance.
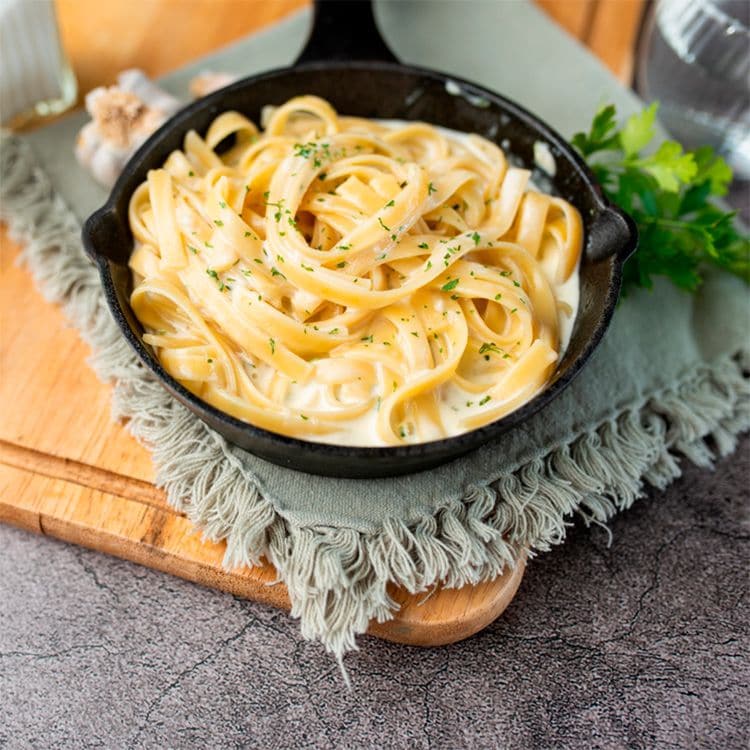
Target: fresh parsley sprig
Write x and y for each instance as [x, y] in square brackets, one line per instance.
[668, 192]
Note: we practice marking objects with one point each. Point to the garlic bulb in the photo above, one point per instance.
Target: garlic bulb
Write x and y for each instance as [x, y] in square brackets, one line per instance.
[122, 117]
[206, 82]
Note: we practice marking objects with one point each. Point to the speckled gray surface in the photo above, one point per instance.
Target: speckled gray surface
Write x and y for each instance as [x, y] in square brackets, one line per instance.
[642, 644]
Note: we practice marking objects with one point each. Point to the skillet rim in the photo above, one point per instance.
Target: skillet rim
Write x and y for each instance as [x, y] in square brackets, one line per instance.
[439, 451]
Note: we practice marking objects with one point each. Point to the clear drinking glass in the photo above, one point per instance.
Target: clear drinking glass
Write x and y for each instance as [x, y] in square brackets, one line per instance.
[694, 58]
[36, 80]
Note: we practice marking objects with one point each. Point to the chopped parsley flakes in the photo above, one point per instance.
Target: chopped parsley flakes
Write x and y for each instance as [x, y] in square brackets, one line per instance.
[490, 347]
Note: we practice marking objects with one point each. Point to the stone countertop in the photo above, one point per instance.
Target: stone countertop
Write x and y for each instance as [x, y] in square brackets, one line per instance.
[643, 643]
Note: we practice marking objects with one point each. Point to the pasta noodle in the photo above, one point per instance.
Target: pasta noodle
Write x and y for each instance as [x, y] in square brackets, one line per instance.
[352, 281]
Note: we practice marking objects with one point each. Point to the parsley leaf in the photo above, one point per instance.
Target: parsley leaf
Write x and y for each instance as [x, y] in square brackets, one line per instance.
[600, 135]
[668, 192]
[638, 131]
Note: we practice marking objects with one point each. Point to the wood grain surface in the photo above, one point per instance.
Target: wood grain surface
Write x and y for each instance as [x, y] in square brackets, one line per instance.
[609, 28]
[66, 469]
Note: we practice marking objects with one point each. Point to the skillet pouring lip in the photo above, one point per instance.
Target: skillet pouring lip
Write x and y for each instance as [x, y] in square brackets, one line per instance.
[110, 221]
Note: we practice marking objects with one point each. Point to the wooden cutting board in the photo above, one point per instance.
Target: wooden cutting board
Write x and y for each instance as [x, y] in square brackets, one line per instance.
[68, 471]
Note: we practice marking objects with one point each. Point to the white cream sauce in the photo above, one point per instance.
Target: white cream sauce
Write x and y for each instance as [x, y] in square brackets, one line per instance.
[456, 404]
[544, 158]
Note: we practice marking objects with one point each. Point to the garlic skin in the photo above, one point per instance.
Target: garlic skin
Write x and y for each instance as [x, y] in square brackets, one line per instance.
[207, 81]
[123, 116]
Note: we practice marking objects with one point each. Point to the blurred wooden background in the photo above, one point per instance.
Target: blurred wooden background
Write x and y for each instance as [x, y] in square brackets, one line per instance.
[609, 28]
[104, 37]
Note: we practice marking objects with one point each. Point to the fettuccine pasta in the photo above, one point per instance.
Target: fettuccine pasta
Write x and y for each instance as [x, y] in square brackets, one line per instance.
[352, 281]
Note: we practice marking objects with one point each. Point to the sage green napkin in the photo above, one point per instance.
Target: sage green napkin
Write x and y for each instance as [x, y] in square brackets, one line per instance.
[668, 380]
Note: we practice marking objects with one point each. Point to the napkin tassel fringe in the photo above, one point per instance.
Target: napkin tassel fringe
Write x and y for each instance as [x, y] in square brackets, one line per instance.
[336, 578]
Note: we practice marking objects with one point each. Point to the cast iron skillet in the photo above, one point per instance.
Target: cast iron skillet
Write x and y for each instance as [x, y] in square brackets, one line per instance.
[346, 62]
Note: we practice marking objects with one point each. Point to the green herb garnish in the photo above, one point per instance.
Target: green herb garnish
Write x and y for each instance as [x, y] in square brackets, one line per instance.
[215, 276]
[304, 149]
[489, 347]
[668, 193]
[279, 206]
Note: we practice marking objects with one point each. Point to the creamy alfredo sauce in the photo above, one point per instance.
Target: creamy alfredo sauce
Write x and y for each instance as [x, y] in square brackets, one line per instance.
[455, 402]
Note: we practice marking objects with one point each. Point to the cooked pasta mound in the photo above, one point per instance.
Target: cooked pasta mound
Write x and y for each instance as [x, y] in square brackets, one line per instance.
[352, 281]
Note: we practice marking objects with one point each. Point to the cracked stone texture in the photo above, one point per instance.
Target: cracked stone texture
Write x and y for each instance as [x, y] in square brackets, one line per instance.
[640, 644]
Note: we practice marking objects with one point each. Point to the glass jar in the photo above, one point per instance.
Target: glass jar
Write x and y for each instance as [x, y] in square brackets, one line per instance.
[694, 58]
[36, 79]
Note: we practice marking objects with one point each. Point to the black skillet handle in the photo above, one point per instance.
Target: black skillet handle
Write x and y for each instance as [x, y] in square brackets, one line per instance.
[613, 232]
[344, 30]
[106, 237]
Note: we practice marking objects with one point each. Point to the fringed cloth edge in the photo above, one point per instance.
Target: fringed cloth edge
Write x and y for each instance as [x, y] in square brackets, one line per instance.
[337, 577]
